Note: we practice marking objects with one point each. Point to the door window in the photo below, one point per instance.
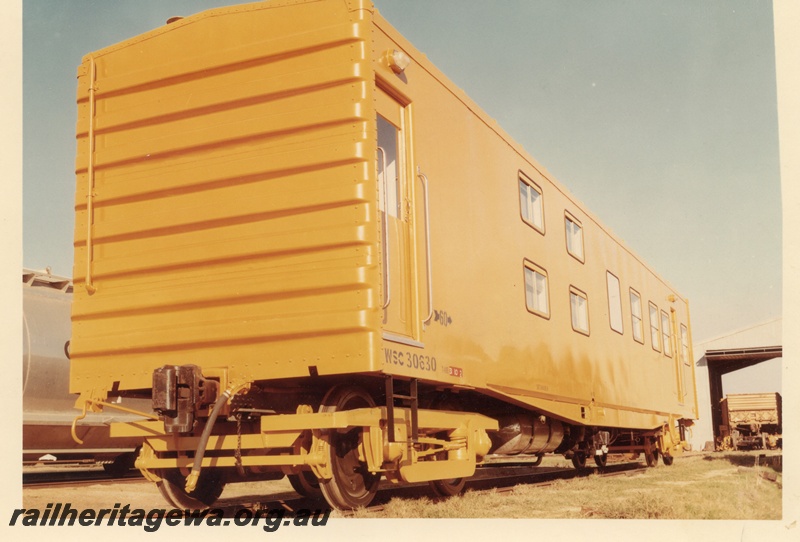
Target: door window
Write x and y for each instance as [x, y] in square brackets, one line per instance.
[388, 168]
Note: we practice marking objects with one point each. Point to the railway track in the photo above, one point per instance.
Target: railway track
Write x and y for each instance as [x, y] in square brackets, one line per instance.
[499, 480]
[72, 477]
[506, 482]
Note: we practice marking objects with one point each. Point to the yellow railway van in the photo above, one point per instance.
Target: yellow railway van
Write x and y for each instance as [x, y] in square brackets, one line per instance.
[319, 258]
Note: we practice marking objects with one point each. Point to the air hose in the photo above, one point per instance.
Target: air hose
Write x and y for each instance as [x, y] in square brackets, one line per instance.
[191, 480]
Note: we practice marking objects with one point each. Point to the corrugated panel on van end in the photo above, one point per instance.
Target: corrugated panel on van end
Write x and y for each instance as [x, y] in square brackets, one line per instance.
[230, 203]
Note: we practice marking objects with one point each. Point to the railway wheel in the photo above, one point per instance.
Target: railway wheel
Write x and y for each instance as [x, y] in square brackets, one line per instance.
[352, 485]
[651, 456]
[601, 460]
[448, 488]
[579, 460]
[209, 488]
[306, 484]
[667, 459]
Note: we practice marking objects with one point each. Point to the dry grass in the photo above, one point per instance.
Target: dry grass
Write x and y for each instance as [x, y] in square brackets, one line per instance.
[714, 486]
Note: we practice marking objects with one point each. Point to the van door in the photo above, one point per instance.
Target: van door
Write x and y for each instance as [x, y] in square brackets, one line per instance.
[395, 193]
[680, 353]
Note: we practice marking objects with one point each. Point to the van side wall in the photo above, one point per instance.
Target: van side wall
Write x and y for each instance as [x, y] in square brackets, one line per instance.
[483, 334]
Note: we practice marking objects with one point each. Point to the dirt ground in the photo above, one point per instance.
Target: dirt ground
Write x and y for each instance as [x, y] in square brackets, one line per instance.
[139, 493]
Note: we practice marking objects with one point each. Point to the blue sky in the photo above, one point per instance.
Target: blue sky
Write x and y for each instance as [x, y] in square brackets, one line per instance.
[659, 116]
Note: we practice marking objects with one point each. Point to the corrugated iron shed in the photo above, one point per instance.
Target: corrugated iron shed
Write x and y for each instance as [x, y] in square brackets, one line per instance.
[725, 354]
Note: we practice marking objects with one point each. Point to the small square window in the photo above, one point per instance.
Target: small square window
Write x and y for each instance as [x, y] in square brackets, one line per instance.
[655, 332]
[574, 237]
[536, 293]
[530, 203]
[579, 308]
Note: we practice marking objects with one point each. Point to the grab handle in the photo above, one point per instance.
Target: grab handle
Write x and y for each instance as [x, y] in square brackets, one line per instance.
[90, 287]
[424, 180]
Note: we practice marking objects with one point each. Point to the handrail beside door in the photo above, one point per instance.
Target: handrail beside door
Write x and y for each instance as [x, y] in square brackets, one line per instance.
[424, 180]
[90, 287]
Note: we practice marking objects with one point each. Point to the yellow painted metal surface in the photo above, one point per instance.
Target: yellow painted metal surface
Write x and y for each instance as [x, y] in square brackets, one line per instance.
[482, 335]
[233, 198]
[245, 219]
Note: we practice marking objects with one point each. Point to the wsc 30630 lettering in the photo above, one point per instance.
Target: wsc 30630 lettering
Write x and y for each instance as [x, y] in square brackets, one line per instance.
[407, 359]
